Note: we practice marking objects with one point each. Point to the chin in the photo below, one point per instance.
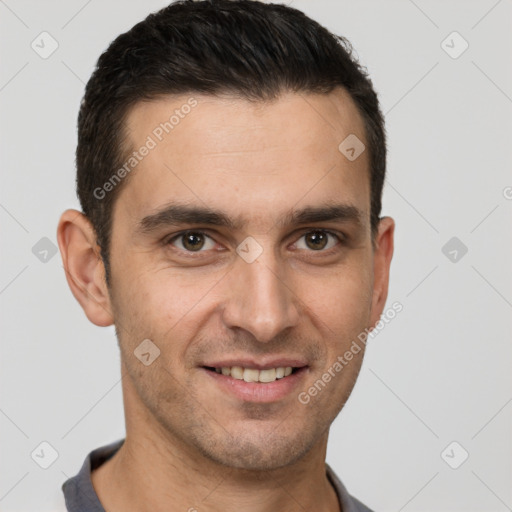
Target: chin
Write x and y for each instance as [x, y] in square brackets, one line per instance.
[258, 453]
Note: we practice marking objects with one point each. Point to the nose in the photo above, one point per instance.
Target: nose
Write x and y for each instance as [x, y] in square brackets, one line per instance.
[260, 300]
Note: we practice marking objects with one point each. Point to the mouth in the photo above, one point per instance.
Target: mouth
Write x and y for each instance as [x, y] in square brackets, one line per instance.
[266, 384]
[263, 376]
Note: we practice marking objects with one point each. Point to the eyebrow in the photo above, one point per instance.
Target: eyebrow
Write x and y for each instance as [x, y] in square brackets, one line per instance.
[178, 214]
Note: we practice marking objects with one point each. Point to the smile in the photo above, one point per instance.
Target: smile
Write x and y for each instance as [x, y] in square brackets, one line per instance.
[253, 374]
[263, 385]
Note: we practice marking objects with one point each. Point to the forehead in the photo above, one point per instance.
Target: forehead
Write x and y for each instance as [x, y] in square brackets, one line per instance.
[233, 155]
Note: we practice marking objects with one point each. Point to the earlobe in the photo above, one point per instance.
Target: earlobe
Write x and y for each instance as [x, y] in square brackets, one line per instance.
[84, 267]
[384, 245]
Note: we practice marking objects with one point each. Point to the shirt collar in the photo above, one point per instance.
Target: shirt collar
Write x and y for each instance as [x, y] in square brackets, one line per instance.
[80, 495]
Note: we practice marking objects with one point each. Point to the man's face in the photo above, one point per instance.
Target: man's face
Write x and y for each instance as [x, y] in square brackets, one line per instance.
[300, 303]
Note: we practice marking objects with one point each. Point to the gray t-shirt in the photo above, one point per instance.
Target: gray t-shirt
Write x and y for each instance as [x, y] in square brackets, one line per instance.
[80, 495]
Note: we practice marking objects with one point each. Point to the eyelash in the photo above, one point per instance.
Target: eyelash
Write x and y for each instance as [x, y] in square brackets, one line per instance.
[195, 254]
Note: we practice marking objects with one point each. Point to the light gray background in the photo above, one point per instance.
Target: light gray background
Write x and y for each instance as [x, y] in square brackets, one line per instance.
[439, 372]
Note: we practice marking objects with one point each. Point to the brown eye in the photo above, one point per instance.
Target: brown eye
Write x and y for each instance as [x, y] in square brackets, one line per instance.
[192, 241]
[318, 240]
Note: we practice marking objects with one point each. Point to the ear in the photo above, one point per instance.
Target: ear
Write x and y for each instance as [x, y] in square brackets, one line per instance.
[383, 252]
[84, 267]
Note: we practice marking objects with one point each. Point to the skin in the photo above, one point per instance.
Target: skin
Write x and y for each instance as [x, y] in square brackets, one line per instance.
[188, 444]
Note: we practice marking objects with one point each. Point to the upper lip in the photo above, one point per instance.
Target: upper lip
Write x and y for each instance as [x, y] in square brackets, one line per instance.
[260, 364]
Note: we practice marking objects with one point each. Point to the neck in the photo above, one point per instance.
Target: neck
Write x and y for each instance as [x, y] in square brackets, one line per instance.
[155, 471]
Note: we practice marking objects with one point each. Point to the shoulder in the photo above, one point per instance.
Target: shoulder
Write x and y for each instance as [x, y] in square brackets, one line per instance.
[360, 507]
[78, 492]
[347, 502]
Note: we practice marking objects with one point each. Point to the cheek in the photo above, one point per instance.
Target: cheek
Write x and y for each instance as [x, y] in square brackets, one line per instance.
[163, 302]
[164, 305]
[341, 302]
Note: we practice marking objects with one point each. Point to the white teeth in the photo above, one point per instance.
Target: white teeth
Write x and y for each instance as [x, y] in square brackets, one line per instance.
[252, 375]
[267, 375]
[237, 372]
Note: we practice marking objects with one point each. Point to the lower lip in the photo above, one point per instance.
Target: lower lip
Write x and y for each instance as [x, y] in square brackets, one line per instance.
[258, 391]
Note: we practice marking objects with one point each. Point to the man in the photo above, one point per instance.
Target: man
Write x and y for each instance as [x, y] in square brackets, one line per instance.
[230, 163]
